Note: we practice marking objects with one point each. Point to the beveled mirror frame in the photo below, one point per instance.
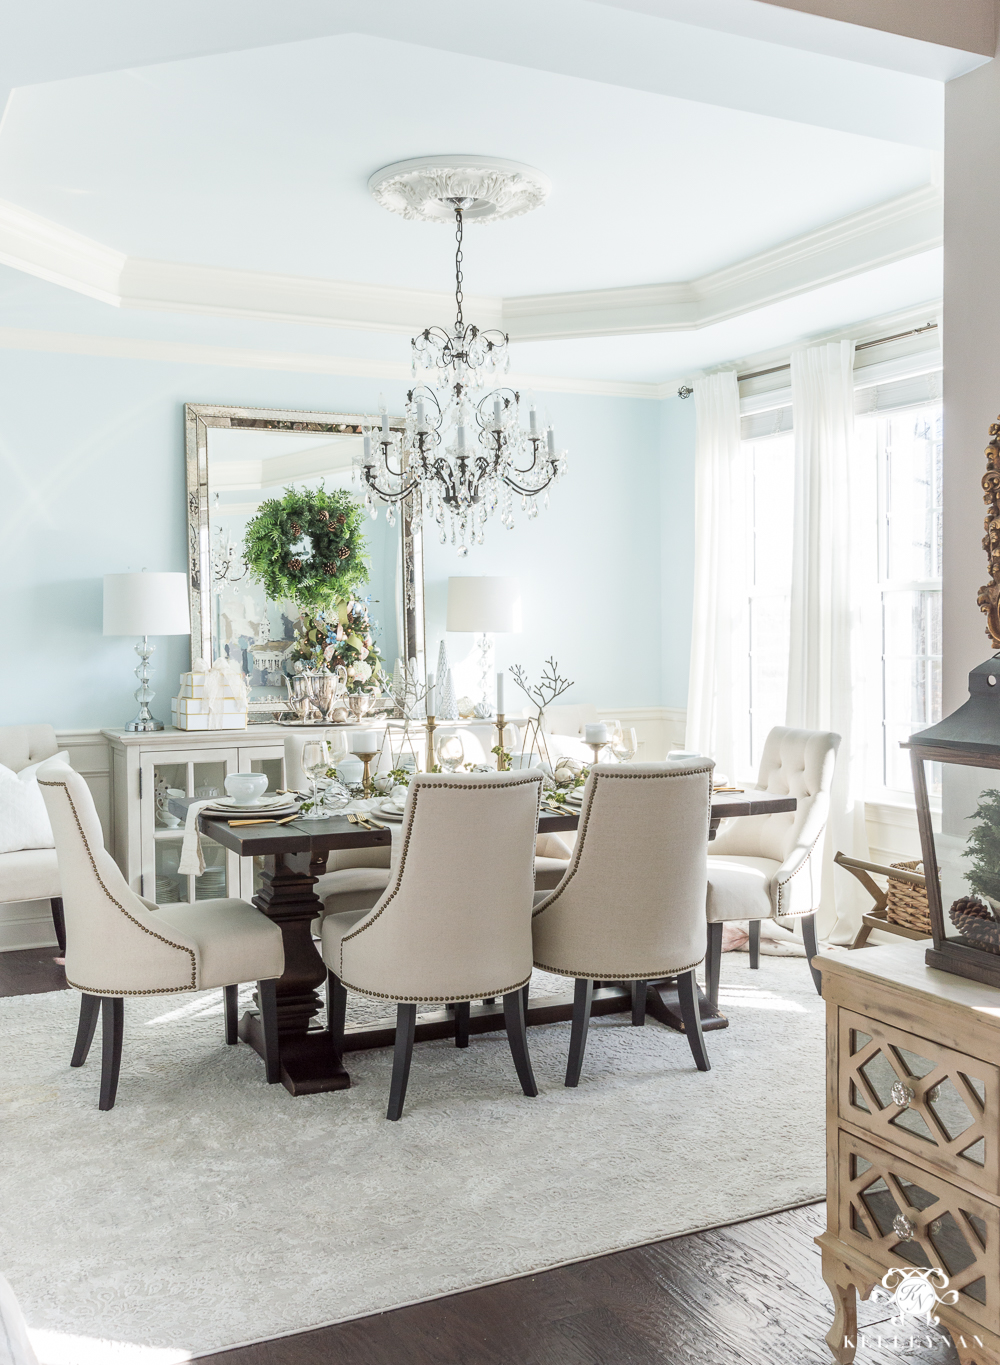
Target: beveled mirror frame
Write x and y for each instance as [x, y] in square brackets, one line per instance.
[199, 418]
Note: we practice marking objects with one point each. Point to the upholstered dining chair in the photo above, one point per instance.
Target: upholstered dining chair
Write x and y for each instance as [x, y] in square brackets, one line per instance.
[119, 944]
[771, 866]
[31, 874]
[454, 923]
[631, 905]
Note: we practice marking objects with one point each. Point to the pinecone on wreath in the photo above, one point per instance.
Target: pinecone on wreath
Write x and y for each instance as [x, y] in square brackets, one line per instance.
[322, 515]
[344, 551]
[296, 529]
[329, 570]
[294, 565]
[342, 519]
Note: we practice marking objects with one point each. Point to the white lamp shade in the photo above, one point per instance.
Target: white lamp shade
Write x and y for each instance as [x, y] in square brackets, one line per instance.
[146, 604]
[492, 605]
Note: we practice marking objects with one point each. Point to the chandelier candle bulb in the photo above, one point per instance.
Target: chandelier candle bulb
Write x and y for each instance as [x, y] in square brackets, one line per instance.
[368, 450]
[385, 426]
[461, 438]
[420, 414]
[532, 421]
[551, 439]
[498, 413]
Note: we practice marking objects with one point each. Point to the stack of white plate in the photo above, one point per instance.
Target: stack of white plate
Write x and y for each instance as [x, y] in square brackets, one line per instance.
[167, 891]
[211, 884]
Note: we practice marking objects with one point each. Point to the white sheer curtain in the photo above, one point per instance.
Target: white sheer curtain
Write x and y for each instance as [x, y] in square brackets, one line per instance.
[830, 554]
[716, 709]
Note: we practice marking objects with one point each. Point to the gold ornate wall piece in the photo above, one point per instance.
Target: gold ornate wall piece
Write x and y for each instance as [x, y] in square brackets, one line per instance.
[989, 594]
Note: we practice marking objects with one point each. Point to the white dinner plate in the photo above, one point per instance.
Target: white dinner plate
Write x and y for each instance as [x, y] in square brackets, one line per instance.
[265, 802]
[390, 812]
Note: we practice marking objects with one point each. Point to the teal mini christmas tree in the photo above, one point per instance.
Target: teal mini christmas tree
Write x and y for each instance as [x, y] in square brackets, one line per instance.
[983, 847]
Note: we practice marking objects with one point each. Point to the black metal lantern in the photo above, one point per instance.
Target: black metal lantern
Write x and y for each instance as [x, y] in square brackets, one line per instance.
[960, 756]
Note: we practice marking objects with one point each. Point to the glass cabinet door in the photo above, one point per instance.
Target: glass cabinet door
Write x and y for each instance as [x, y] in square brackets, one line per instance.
[198, 773]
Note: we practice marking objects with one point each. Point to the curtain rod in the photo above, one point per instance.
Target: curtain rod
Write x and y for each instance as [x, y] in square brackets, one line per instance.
[685, 390]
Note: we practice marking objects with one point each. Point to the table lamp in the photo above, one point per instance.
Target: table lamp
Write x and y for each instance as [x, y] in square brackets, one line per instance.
[145, 604]
[484, 607]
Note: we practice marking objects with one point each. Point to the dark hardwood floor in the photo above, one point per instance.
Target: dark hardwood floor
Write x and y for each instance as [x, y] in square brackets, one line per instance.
[749, 1294]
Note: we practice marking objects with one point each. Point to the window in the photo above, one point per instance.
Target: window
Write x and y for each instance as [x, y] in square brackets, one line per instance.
[905, 694]
[901, 449]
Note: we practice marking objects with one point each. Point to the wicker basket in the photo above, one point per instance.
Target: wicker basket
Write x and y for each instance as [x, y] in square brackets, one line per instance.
[907, 903]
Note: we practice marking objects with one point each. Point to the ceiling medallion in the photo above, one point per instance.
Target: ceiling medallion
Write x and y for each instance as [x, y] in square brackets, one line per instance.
[462, 453]
[425, 187]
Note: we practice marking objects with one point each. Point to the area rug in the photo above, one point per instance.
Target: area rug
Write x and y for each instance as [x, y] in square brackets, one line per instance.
[209, 1210]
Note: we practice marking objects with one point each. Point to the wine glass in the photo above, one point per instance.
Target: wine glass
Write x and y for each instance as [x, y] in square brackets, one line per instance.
[450, 752]
[315, 760]
[624, 744]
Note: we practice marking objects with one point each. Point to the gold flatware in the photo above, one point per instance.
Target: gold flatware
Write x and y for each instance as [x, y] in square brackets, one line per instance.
[285, 820]
[356, 819]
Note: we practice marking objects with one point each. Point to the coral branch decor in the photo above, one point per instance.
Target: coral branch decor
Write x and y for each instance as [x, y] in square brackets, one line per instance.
[540, 694]
[989, 594]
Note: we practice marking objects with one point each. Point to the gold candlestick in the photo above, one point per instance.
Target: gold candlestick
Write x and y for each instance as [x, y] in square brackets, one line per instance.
[431, 726]
[366, 780]
[501, 761]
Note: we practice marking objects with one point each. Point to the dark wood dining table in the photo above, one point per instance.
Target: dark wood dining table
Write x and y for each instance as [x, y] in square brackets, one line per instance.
[295, 855]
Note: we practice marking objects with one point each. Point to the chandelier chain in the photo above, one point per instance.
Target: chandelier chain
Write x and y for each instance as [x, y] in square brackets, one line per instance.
[459, 323]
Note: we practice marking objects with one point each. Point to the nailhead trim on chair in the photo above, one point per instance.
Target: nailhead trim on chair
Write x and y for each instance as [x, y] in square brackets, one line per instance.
[100, 990]
[614, 974]
[797, 914]
[446, 786]
[476, 994]
[581, 837]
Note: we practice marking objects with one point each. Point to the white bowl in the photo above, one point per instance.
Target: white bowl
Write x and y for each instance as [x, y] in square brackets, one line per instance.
[246, 788]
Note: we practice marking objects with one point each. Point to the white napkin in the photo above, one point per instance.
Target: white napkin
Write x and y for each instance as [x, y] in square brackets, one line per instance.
[192, 860]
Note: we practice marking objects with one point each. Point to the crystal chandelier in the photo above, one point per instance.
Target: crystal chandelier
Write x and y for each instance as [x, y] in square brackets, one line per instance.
[462, 454]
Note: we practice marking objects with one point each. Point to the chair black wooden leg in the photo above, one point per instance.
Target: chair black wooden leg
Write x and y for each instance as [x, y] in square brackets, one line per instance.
[462, 1023]
[336, 1009]
[812, 948]
[112, 1032]
[583, 995]
[267, 1002]
[90, 1008]
[713, 963]
[638, 1003]
[230, 1002]
[524, 992]
[754, 944]
[687, 994]
[517, 1037]
[406, 1022]
[59, 923]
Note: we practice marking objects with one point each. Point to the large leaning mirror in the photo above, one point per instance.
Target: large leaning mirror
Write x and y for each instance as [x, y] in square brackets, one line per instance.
[238, 459]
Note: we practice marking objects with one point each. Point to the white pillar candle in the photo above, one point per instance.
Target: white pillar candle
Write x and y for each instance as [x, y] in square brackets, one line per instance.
[429, 699]
[596, 734]
[500, 710]
[363, 742]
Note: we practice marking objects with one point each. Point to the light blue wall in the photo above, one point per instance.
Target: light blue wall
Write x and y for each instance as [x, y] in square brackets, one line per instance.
[92, 482]
[676, 546]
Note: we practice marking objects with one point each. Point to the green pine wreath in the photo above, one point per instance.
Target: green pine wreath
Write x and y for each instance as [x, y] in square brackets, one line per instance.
[331, 522]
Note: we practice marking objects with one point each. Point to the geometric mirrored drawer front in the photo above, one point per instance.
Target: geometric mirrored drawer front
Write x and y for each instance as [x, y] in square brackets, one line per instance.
[902, 1216]
[922, 1097]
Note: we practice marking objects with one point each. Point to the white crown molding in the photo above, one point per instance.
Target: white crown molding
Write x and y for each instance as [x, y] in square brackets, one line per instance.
[180, 288]
[863, 241]
[874, 237]
[234, 357]
[51, 252]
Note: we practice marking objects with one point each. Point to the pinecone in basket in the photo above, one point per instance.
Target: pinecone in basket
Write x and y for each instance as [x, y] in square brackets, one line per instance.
[294, 565]
[976, 923]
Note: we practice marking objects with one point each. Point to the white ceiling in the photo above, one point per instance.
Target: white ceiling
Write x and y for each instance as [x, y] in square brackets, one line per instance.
[682, 139]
